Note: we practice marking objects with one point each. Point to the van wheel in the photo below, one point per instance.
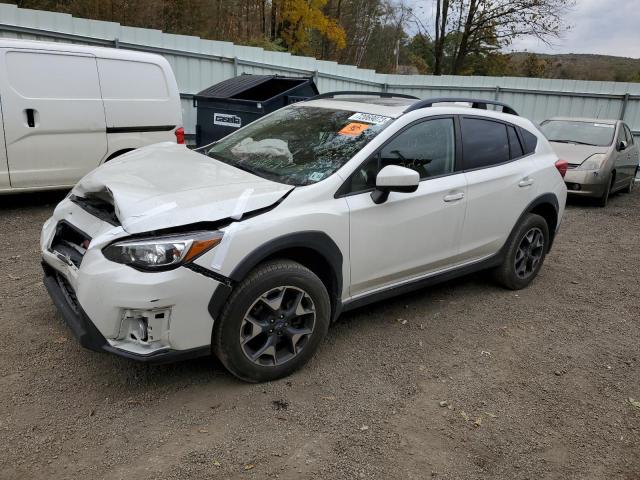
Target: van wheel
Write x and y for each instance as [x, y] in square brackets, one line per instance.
[526, 250]
[273, 322]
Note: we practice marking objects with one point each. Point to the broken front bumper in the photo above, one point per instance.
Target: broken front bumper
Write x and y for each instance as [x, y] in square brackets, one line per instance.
[147, 316]
[89, 336]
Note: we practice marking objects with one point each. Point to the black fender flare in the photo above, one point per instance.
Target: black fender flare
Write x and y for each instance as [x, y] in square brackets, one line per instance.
[546, 198]
[318, 241]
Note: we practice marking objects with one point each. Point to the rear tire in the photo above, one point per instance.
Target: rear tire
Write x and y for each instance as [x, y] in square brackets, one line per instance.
[632, 182]
[526, 250]
[273, 322]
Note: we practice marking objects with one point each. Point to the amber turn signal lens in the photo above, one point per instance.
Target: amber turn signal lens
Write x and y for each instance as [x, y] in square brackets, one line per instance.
[201, 245]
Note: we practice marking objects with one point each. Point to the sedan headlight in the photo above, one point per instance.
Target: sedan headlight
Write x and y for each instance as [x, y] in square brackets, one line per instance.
[162, 253]
[594, 162]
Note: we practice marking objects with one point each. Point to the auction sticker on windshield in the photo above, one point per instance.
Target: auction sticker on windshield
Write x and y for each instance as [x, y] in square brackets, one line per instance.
[369, 118]
[354, 129]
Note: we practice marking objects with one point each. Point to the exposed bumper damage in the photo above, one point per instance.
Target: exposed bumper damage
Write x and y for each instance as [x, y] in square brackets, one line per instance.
[90, 337]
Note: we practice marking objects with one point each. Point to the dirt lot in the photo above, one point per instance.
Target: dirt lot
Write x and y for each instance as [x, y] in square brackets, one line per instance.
[537, 382]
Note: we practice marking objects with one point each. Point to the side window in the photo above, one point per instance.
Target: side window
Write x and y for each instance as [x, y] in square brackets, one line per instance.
[514, 144]
[621, 136]
[428, 148]
[530, 141]
[484, 143]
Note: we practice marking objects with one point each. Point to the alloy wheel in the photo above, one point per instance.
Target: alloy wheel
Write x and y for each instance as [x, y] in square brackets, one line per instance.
[277, 326]
[529, 253]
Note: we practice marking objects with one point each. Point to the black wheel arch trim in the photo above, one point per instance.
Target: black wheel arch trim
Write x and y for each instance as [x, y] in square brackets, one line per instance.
[314, 240]
[546, 198]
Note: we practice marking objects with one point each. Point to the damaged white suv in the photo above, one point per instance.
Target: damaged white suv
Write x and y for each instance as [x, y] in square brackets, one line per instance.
[252, 246]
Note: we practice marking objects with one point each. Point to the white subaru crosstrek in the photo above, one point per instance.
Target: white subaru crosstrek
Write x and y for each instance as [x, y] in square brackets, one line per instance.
[251, 247]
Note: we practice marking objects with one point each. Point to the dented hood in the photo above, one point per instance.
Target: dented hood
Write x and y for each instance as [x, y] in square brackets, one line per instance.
[167, 185]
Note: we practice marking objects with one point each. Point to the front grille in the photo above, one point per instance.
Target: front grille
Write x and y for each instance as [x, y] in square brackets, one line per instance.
[97, 207]
[70, 243]
[68, 292]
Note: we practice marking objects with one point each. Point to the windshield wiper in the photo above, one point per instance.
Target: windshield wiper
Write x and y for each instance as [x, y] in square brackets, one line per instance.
[576, 142]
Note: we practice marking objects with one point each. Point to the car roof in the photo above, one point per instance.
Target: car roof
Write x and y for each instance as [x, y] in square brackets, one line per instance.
[101, 52]
[395, 107]
[389, 107]
[605, 121]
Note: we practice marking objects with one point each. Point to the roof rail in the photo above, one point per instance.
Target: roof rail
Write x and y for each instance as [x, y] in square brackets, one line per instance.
[475, 103]
[356, 93]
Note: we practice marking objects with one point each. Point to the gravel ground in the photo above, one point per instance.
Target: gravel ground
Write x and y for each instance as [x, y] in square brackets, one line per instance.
[536, 383]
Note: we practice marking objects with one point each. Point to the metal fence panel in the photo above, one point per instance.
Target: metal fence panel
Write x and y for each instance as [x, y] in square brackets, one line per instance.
[199, 63]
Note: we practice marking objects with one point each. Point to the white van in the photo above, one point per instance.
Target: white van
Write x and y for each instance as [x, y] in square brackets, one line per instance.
[65, 109]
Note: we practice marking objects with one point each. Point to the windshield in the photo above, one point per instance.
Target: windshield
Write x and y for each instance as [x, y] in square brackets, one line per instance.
[299, 145]
[584, 133]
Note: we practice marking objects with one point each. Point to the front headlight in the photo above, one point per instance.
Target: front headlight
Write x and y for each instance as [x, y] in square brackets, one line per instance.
[594, 162]
[162, 253]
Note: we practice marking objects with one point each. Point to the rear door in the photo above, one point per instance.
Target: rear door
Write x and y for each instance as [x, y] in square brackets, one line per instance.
[500, 183]
[54, 118]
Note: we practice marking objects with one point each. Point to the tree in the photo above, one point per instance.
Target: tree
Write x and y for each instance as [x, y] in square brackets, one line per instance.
[442, 13]
[534, 66]
[472, 28]
[297, 18]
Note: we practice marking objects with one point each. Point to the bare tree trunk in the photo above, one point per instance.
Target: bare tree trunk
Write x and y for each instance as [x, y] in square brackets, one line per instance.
[442, 14]
[466, 35]
[274, 20]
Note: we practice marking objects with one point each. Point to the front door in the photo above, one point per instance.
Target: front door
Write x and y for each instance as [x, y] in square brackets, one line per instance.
[54, 121]
[411, 234]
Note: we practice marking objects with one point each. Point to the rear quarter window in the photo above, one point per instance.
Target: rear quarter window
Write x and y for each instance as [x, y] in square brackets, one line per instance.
[530, 141]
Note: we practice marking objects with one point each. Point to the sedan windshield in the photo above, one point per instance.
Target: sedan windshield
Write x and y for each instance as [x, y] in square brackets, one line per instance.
[582, 133]
[299, 145]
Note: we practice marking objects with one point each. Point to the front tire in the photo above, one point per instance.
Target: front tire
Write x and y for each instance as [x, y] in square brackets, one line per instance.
[526, 251]
[604, 199]
[273, 322]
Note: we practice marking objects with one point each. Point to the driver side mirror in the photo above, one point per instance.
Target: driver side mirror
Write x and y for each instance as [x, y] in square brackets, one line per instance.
[622, 145]
[394, 178]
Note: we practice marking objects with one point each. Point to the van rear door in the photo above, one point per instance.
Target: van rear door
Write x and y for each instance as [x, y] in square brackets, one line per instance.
[55, 127]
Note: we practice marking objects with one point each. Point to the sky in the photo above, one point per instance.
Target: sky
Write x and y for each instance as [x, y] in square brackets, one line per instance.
[607, 27]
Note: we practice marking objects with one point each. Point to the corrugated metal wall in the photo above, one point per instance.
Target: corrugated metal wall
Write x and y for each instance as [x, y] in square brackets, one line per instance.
[200, 63]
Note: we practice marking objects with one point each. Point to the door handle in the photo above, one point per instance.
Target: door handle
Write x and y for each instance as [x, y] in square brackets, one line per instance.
[453, 197]
[525, 182]
[31, 118]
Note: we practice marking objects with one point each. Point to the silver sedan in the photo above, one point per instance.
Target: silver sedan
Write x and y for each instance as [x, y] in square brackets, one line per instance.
[602, 155]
